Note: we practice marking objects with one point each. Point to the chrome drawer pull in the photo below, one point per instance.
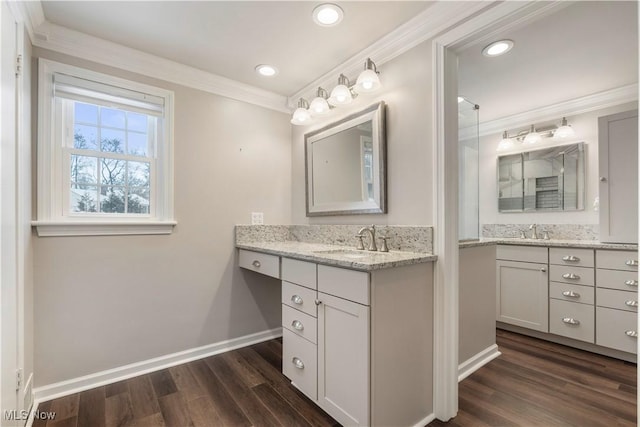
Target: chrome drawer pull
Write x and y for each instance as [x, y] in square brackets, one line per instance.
[570, 321]
[570, 276]
[297, 363]
[297, 299]
[632, 334]
[631, 283]
[570, 258]
[297, 325]
[256, 264]
[632, 262]
[631, 303]
[571, 294]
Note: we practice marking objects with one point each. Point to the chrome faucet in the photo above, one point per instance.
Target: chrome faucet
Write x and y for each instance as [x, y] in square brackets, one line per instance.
[534, 233]
[372, 234]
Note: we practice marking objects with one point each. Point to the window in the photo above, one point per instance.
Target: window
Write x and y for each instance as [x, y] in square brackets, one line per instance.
[104, 154]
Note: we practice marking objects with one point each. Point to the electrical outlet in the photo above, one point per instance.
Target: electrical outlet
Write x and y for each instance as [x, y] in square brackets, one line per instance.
[257, 218]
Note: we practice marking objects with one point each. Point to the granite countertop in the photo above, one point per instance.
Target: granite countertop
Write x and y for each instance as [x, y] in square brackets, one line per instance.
[587, 244]
[341, 256]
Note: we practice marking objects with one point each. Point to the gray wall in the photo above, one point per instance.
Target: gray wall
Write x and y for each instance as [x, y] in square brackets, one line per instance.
[103, 302]
[407, 92]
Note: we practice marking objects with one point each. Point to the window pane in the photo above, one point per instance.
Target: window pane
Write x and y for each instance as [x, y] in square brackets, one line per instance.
[138, 174]
[84, 137]
[112, 199]
[86, 113]
[112, 172]
[84, 198]
[137, 143]
[84, 170]
[137, 122]
[112, 118]
[138, 200]
[113, 140]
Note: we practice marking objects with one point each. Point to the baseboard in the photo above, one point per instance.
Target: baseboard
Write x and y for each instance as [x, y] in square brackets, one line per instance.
[426, 420]
[477, 361]
[75, 385]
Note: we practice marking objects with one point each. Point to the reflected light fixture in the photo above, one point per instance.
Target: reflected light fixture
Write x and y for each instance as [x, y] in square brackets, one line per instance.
[532, 137]
[319, 105]
[341, 94]
[327, 14]
[368, 80]
[266, 70]
[564, 131]
[460, 99]
[301, 116]
[498, 48]
[506, 143]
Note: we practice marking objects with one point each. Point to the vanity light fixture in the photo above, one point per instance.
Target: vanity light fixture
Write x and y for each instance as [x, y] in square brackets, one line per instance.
[532, 137]
[341, 94]
[301, 116]
[498, 48]
[506, 143]
[319, 105]
[327, 14]
[266, 70]
[368, 80]
[564, 131]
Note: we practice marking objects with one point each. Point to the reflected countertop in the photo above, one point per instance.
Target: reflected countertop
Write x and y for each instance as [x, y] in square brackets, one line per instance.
[586, 244]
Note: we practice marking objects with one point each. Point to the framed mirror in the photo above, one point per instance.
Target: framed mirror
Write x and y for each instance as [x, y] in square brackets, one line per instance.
[345, 165]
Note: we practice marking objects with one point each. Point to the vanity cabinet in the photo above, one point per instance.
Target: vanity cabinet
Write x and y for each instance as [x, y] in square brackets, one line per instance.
[522, 287]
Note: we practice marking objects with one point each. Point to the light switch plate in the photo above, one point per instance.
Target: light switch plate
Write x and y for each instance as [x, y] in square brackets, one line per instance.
[257, 218]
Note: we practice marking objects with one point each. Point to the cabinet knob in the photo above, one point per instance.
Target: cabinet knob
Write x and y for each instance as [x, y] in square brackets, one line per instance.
[632, 334]
[570, 258]
[297, 363]
[570, 276]
[318, 302]
[256, 263]
[297, 325]
[632, 262]
[297, 299]
[570, 321]
[603, 179]
[543, 269]
[631, 303]
[631, 283]
[571, 294]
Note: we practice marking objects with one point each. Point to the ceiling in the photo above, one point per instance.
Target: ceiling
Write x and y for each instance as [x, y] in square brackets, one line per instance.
[584, 48]
[229, 38]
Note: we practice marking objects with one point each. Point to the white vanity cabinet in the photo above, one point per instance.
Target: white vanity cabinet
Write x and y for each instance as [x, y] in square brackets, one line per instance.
[522, 288]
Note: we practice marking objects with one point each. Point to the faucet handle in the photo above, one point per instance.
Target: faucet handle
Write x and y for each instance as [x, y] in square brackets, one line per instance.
[384, 247]
[360, 245]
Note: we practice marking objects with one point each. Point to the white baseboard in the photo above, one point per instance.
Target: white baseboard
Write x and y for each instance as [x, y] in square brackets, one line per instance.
[75, 385]
[426, 420]
[476, 362]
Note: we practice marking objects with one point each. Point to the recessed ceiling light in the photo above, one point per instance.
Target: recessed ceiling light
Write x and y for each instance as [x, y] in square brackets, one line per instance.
[266, 70]
[327, 15]
[498, 48]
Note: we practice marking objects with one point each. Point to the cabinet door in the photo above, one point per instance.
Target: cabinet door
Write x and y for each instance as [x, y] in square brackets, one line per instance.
[618, 163]
[522, 294]
[343, 359]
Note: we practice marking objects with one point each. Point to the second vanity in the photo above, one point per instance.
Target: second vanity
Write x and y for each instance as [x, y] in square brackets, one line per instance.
[357, 328]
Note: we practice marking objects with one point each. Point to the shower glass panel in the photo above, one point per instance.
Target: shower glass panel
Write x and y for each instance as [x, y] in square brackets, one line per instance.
[468, 171]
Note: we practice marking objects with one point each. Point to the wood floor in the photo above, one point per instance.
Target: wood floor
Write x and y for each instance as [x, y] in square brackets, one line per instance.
[533, 383]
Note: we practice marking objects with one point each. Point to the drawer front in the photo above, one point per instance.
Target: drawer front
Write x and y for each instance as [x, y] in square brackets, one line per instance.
[300, 298]
[570, 292]
[616, 279]
[259, 262]
[340, 282]
[522, 253]
[617, 260]
[572, 320]
[300, 323]
[573, 275]
[570, 256]
[617, 329]
[621, 300]
[300, 363]
[299, 272]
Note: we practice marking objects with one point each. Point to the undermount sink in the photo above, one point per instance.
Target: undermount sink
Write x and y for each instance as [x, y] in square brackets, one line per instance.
[349, 253]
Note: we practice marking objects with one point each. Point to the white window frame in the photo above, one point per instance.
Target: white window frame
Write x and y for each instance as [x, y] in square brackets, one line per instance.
[53, 215]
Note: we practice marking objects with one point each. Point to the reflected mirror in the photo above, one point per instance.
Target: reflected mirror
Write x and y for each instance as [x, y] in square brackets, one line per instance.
[549, 179]
[345, 165]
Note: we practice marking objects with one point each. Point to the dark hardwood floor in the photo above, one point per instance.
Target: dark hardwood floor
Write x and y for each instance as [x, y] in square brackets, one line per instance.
[533, 383]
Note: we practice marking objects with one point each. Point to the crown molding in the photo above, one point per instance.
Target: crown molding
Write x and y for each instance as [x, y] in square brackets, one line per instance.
[424, 26]
[30, 13]
[572, 107]
[63, 40]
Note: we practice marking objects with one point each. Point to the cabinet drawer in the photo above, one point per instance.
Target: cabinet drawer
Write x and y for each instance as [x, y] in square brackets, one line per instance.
[571, 274]
[570, 256]
[300, 363]
[616, 279]
[617, 329]
[300, 323]
[569, 292]
[300, 298]
[259, 262]
[572, 320]
[617, 260]
[613, 298]
[522, 253]
[299, 272]
[340, 282]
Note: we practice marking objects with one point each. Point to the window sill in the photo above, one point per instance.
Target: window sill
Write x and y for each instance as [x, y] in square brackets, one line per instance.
[102, 228]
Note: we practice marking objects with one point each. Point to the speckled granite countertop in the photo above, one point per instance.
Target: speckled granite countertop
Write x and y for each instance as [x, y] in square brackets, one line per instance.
[340, 256]
[587, 244]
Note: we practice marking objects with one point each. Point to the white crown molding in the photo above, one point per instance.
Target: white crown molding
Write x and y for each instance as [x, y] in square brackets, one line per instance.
[424, 26]
[572, 107]
[63, 40]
